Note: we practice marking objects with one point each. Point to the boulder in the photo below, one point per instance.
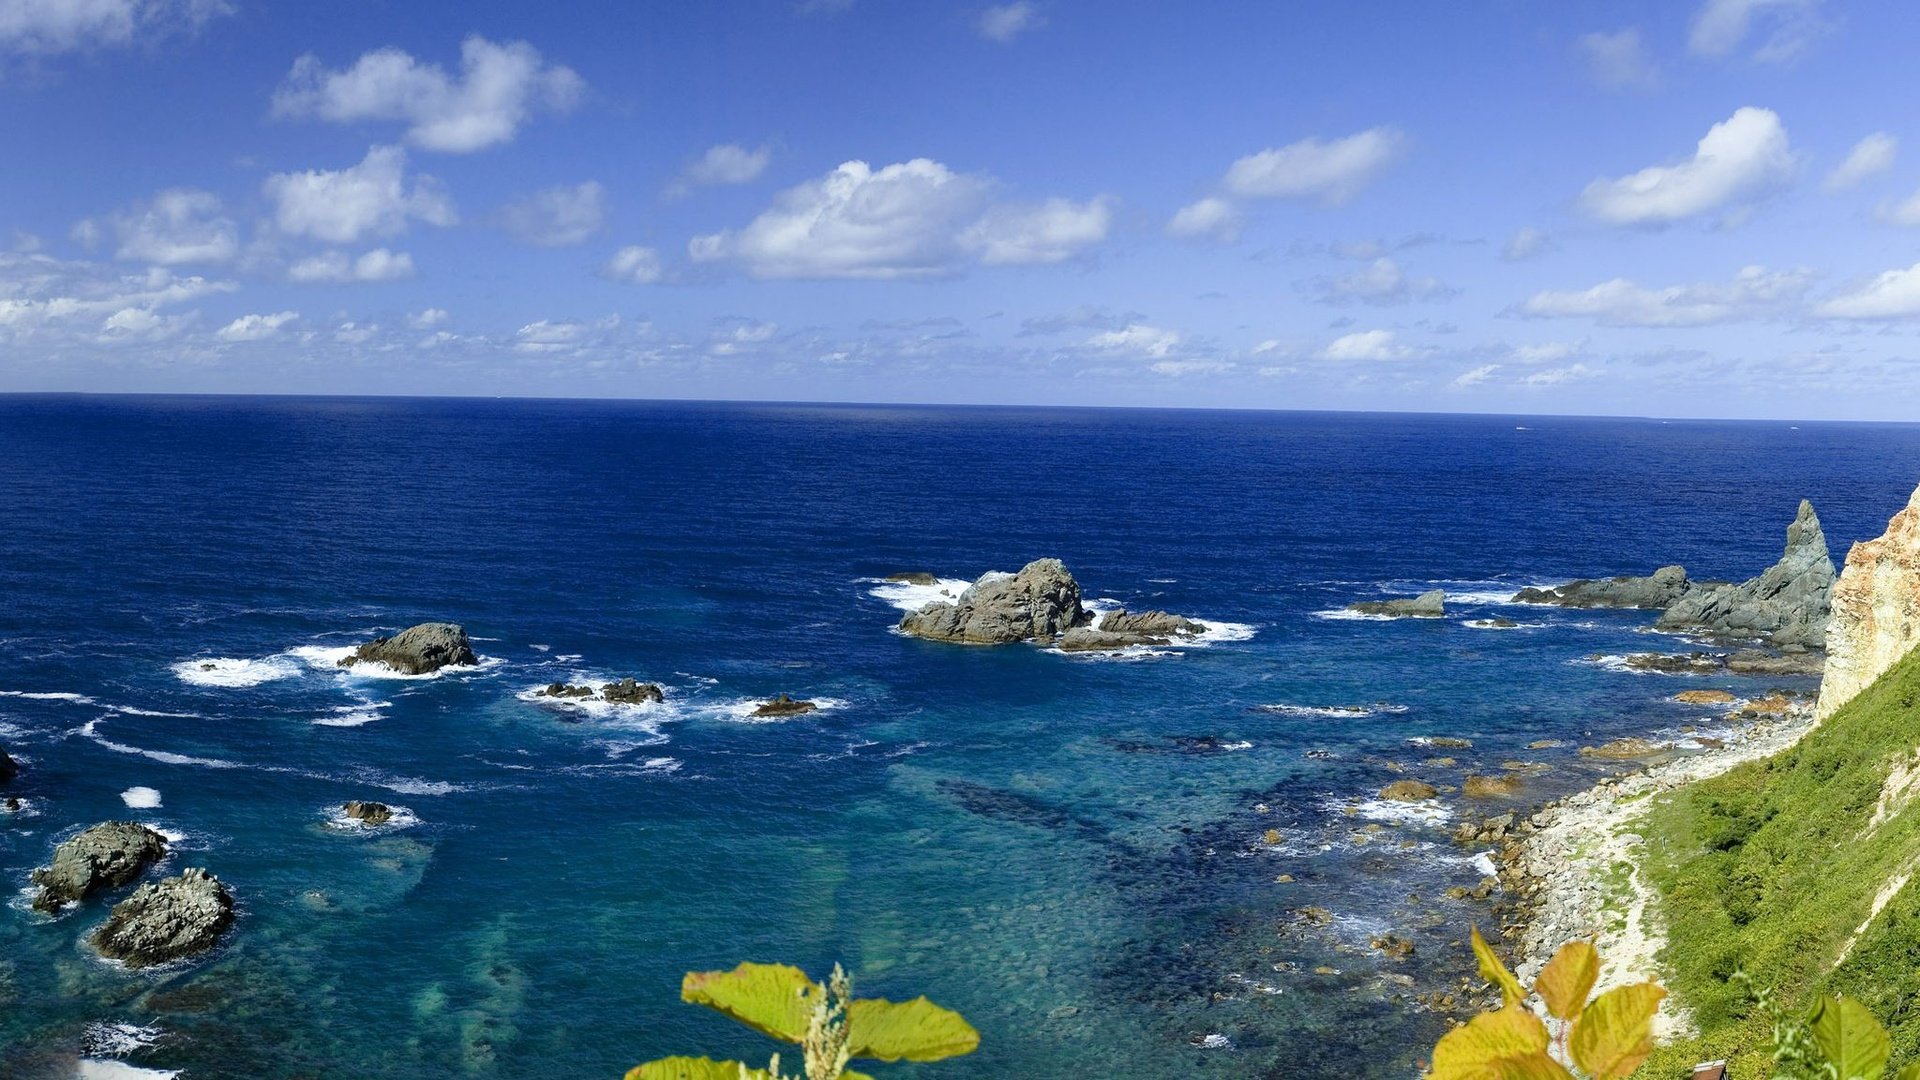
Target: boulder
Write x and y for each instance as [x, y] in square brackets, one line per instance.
[418, 650]
[106, 856]
[373, 813]
[166, 920]
[632, 692]
[1409, 791]
[1040, 602]
[1431, 604]
[1657, 590]
[916, 577]
[1394, 945]
[565, 690]
[1875, 608]
[1704, 697]
[8, 768]
[782, 705]
[1490, 787]
[1786, 605]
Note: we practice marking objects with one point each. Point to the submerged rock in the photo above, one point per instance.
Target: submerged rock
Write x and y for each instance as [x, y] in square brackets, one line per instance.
[373, 813]
[1040, 602]
[108, 855]
[1690, 663]
[782, 705]
[1657, 590]
[167, 919]
[1431, 604]
[1875, 610]
[1786, 605]
[1409, 791]
[418, 650]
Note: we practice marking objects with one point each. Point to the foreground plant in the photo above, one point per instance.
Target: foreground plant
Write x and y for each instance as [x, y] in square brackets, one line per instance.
[831, 1026]
[1838, 1040]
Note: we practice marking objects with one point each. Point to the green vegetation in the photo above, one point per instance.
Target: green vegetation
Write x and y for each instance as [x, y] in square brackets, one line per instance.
[1776, 867]
[830, 1025]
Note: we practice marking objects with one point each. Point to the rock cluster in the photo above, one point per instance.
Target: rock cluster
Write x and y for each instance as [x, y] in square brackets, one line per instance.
[1121, 629]
[1786, 605]
[1658, 590]
[103, 857]
[1876, 610]
[167, 919]
[1431, 604]
[621, 692]
[418, 650]
[1040, 602]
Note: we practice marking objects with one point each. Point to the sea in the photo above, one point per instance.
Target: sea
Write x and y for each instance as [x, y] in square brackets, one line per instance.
[1160, 863]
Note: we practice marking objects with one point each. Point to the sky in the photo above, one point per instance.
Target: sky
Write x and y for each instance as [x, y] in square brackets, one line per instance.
[1709, 208]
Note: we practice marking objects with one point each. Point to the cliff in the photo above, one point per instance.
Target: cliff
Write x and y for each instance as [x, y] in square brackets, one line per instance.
[1876, 610]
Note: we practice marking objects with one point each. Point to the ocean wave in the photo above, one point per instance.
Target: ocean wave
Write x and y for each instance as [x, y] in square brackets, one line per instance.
[108, 1069]
[30, 695]
[89, 730]
[112, 1039]
[1618, 662]
[1335, 712]
[910, 597]
[141, 798]
[1350, 615]
[234, 672]
[1429, 812]
[1496, 624]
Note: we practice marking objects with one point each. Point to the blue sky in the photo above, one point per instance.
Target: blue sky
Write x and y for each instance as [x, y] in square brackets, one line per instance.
[1702, 209]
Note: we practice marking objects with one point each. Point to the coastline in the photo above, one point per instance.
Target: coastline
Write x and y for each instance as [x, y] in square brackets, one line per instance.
[1574, 870]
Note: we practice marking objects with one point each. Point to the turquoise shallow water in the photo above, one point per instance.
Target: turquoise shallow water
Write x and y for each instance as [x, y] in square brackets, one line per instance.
[1069, 850]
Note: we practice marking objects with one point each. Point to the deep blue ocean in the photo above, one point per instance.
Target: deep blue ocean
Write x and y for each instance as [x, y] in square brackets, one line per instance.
[1071, 851]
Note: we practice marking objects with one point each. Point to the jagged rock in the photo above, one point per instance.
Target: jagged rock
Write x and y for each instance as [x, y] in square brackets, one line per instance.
[1409, 791]
[103, 857]
[373, 813]
[1876, 610]
[1657, 590]
[8, 768]
[1431, 604]
[1042, 601]
[783, 705]
[1692, 663]
[915, 577]
[167, 919]
[1786, 605]
[632, 692]
[417, 650]
[1157, 623]
[565, 690]
[1704, 697]
[1490, 787]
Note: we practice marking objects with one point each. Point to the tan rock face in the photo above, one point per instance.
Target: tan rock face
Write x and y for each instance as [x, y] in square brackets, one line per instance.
[1876, 610]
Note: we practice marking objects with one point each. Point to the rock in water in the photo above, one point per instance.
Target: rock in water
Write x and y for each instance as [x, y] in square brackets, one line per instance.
[784, 706]
[914, 577]
[1786, 605]
[108, 855]
[167, 919]
[1428, 605]
[1120, 629]
[1042, 601]
[8, 768]
[632, 692]
[373, 813]
[1408, 791]
[1876, 610]
[418, 650]
[565, 690]
[1658, 590]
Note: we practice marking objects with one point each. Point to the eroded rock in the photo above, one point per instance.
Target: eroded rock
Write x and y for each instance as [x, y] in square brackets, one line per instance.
[106, 856]
[418, 650]
[1040, 602]
[166, 920]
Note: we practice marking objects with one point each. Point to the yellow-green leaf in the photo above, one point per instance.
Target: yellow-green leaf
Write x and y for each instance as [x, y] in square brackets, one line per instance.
[1909, 1072]
[916, 1030]
[1493, 970]
[1510, 1044]
[1615, 1033]
[689, 1068]
[773, 999]
[1568, 978]
[1852, 1040]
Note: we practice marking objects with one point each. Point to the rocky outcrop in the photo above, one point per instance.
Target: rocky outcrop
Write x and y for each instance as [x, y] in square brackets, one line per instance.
[632, 692]
[103, 857]
[1409, 791]
[1121, 629]
[1876, 610]
[783, 705]
[1786, 605]
[1428, 605]
[1040, 602]
[418, 650]
[1658, 590]
[369, 812]
[914, 577]
[166, 920]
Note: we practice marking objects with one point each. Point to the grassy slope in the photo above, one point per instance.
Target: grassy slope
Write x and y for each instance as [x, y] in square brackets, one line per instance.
[1771, 866]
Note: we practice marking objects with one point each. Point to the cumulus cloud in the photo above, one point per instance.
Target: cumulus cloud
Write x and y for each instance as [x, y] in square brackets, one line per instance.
[1211, 218]
[557, 216]
[1754, 292]
[1137, 339]
[1740, 157]
[499, 87]
[635, 265]
[427, 320]
[57, 26]
[742, 337]
[728, 163]
[180, 225]
[336, 268]
[1525, 243]
[255, 327]
[1475, 377]
[1721, 27]
[1004, 22]
[1556, 376]
[51, 301]
[1869, 157]
[1053, 231]
[1381, 282]
[1893, 294]
[1366, 345]
[1330, 171]
[1619, 60]
[372, 198]
[1177, 369]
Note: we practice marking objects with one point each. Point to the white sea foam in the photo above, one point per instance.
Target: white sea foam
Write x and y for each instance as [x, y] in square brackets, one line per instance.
[409, 785]
[541, 648]
[77, 699]
[107, 1039]
[234, 672]
[365, 712]
[328, 657]
[89, 731]
[141, 798]
[106, 1069]
[1350, 615]
[1490, 624]
[1214, 1041]
[742, 711]
[403, 818]
[1429, 812]
[1335, 712]
[1618, 662]
[910, 597]
[1483, 862]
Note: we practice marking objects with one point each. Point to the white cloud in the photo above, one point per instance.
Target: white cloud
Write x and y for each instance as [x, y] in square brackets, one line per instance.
[1619, 60]
[428, 319]
[635, 265]
[57, 26]
[1556, 376]
[1744, 155]
[728, 163]
[1545, 352]
[1869, 157]
[368, 199]
[180, 225]
[1382, 282]
[1721, 26]
[548, 336]
[1754, 292]
[742, 338]
[1176, 369]
[48, 300]
[1366, 345]
[256, 327]
[1139, 339]
[1332, 172]
[498, 88]
[1050, 232]
[1901, 212]
[1004, 22]
[335, 268]
[557, 216]
[1211, 218]
[1476, 376]
[1525, 243]
[1893, 294]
